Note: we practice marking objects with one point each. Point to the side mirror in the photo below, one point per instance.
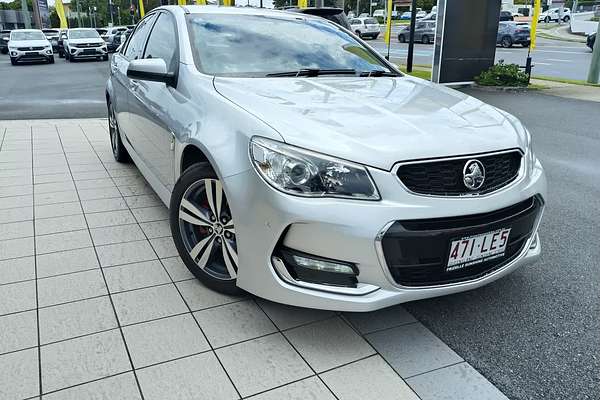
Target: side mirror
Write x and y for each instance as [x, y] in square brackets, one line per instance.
[150, 69]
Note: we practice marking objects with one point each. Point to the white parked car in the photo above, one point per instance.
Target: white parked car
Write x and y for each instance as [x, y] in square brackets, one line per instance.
[310, 171]
[421, 14]
[365, 27]
[553, 14]
[27, 45]
[84, 43]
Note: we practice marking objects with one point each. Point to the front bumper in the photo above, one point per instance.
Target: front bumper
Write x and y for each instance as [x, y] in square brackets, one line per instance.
[348, 230]
[30, 56]
[88, 52]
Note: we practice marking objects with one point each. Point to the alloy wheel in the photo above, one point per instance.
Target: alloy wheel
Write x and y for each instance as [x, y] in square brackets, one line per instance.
[207, 229]
[114, 131]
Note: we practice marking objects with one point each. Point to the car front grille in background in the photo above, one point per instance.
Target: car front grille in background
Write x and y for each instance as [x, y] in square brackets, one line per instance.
[30, 48]
[445, 177]
[416, 251]
[87, 45]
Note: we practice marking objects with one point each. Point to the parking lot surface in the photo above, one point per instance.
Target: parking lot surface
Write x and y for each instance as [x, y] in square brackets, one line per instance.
[95, 303]
[535, 333]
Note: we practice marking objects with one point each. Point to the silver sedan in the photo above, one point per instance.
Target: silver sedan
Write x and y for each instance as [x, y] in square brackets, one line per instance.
[301, 166]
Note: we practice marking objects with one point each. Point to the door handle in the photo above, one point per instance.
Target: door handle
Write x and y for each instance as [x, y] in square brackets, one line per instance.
[133, 85]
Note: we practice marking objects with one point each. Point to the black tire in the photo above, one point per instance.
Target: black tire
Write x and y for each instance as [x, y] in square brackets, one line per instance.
[209, 248]
[401, 39]
[105, 57]
[61, 54]
[547, 20]
[506, 42]
[119, 151]
[525, 44]
[67, 57]
[425, 39]
[375, 37]
[51, 60]
[4, 51]
[566, 18]
[358, 34]
[13, 61]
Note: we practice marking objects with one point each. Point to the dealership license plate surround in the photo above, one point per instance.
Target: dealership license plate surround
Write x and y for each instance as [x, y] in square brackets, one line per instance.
[475, 249]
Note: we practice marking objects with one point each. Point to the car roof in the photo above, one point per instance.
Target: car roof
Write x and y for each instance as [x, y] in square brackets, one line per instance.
[83, 29]
[26, 30]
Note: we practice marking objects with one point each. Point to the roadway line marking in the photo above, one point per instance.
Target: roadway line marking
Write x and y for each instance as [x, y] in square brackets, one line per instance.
[557, 59]
[541, 63]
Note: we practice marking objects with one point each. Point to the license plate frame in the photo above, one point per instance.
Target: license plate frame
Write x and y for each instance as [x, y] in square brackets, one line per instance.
[474, 249]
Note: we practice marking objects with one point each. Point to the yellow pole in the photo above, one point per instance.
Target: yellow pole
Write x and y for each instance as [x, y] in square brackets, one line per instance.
[182, 2]
[60, 10]
[536, 15]
[302, 3]
[200, 2]
[388, 24]
[142, 12]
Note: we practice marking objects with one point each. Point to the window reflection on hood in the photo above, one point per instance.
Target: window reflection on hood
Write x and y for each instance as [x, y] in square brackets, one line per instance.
[253, 45]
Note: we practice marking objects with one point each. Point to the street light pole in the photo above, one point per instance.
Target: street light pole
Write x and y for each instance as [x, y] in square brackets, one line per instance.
[411, 40]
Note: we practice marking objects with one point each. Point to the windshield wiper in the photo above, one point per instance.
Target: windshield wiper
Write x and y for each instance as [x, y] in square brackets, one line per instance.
[313, 72]
[377, 72]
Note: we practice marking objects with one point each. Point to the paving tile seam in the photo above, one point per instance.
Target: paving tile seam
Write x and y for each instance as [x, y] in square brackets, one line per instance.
[114, 309]
[37, 301]
[296, 350]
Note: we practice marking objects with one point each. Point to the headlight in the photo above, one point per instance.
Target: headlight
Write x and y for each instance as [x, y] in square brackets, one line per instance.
[304, 173]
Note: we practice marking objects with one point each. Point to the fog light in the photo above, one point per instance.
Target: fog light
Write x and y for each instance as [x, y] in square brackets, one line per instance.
[73, 51]
[314, 269]
[48, 51]
[13, 53]
[320, 265]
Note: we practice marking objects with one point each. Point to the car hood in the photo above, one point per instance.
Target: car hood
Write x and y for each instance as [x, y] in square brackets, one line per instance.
[87, 40]
[375, 121]
[29, 43]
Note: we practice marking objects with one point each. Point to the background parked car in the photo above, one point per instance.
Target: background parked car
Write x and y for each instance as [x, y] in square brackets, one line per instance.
[506, 16]
[60, 43]
[591, 39]
[365, 27]
[510, 33]
[52, 36]
[111, 34]
[552, 14]
[84, 43]
[29, 45]
[4, 38]
[405, 16]
[424, 32]
[421, 14]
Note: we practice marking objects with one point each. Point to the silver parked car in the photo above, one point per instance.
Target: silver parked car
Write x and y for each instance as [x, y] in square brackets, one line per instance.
[84, 43]
[28, 45]
[301, 166]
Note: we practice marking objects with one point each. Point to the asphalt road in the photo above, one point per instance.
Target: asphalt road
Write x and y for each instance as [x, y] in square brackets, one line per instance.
[551, 58]
[59, 90]
[536, 333]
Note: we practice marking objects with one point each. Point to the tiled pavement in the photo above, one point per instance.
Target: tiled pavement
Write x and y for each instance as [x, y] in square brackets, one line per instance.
[95, 303]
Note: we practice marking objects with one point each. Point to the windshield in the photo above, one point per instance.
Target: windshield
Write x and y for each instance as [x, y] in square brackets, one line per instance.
[87, 34]
[371, 21]
[33, 35]
[255, 45]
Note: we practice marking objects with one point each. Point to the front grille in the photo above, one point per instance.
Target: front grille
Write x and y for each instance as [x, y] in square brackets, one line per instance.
[30, 48]
[88, 45]
[416, 251]
[445, 177]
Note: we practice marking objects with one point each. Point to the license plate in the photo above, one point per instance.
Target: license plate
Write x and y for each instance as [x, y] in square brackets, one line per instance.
[89, 51]
[477, 249]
